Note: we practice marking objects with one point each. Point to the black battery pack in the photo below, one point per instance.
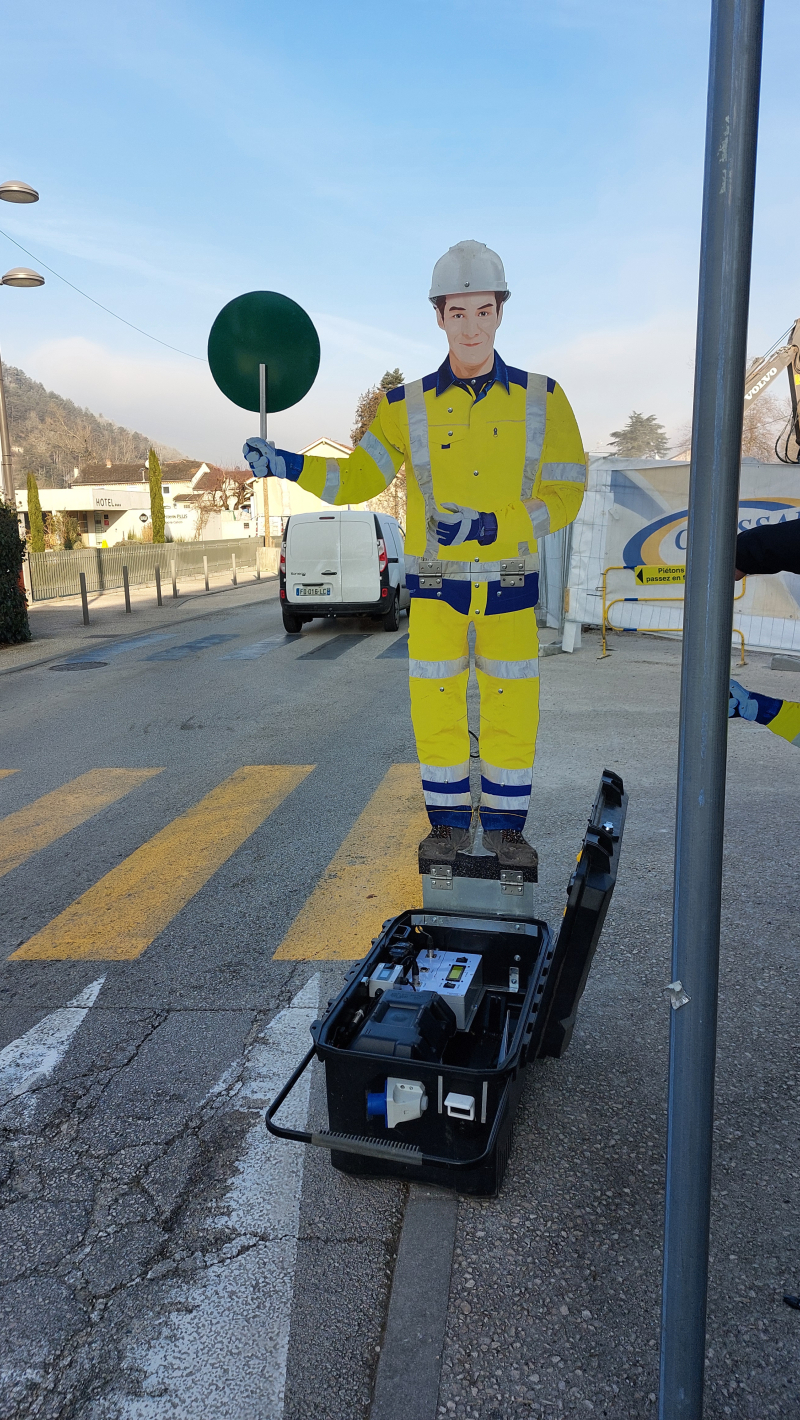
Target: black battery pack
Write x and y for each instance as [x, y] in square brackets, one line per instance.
[424, 1083]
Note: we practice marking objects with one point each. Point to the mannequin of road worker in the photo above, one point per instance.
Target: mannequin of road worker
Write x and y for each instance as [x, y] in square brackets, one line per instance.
[494, 461]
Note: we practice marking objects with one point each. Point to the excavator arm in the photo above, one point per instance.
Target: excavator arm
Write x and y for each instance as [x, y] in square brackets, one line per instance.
[764, 372]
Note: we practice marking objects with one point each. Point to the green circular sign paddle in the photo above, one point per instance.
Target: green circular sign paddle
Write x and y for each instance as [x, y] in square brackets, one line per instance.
[263, 328]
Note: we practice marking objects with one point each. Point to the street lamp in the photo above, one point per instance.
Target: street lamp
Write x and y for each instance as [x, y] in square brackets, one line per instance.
[13, 191]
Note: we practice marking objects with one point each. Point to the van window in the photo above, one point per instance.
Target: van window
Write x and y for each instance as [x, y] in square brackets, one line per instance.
[356, 539]
[312, 540]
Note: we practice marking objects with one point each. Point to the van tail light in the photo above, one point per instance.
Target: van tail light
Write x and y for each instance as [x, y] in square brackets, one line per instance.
[283, 558]
[383, 556]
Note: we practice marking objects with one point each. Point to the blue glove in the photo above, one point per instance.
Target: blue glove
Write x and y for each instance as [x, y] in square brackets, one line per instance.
[749, 705]
[465, 525]
[268, 462]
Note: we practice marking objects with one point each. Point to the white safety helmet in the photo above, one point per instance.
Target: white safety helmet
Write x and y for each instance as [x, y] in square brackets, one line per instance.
[468, 266]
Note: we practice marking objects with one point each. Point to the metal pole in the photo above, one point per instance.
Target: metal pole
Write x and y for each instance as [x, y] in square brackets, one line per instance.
[126, 586]
[728, 199]
[233, 568]
[84, 598]
[159, 601]
[205, 570]
[175, 578]
[262, 400]
[6, 460]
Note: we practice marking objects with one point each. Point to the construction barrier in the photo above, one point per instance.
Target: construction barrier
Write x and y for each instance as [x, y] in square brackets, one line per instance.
[634, 515]
[672, 576]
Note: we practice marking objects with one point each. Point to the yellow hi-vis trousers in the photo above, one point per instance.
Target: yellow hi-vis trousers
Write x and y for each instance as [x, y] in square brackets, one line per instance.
[507, 666]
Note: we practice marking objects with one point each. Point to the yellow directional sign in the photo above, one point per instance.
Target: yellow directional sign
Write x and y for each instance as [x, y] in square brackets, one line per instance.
[657, 575]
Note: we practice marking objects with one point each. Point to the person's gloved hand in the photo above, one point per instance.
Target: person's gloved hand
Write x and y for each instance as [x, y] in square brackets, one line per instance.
[268, 462]
[459, 524]
[750, 705]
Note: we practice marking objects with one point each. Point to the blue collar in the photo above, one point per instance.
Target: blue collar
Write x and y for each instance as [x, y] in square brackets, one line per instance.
[445, 377]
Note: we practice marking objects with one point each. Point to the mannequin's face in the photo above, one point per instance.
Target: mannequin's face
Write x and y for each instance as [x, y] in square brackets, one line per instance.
[470, 322]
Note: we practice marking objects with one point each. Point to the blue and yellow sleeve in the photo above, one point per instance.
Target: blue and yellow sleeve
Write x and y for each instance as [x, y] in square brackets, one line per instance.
[561, 479]
[363, 474]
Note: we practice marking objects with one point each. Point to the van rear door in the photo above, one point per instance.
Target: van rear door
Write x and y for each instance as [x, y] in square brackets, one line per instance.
[313, 560]
[360, 578]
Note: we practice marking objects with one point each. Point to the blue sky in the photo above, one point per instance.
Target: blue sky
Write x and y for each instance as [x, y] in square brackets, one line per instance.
[188, 152]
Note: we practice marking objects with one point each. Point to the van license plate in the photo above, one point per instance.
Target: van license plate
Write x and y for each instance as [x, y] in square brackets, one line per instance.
[320, 591]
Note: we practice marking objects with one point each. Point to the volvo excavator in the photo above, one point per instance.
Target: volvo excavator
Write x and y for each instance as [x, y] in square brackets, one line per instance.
[763, 372]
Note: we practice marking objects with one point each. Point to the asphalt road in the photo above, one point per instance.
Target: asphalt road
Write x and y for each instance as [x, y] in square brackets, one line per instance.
[162, 1257]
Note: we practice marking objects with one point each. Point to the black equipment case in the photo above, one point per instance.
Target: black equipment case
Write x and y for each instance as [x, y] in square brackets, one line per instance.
[471, 1079]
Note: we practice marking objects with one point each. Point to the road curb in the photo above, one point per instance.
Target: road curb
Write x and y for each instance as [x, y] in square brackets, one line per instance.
[407, 1383]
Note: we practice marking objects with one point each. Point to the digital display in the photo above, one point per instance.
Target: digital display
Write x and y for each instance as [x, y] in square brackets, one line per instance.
[455, 973]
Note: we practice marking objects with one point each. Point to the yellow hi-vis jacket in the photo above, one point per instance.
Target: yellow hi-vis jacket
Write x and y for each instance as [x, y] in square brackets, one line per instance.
[787, 722]
[497, 453]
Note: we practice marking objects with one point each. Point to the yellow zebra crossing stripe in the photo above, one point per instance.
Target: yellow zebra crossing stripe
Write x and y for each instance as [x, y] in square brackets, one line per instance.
[30, 829]
[373, 876]
[121, 915]
[4, 773]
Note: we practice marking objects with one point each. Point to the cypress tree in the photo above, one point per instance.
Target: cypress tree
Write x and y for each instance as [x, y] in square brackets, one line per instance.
[35, 516]
[156, 497]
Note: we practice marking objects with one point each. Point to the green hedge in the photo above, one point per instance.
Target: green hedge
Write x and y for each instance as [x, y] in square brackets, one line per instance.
[13, 606]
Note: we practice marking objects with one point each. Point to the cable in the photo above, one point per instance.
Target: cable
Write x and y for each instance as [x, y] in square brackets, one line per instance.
[109, 312]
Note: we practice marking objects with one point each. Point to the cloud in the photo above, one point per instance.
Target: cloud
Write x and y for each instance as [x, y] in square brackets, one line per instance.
[605, 373]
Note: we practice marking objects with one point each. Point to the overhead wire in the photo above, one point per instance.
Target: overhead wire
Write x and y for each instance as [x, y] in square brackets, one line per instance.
[99, 304]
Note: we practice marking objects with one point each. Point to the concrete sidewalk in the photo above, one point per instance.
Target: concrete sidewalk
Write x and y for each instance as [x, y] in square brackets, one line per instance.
[57, 625]
[555, 1292]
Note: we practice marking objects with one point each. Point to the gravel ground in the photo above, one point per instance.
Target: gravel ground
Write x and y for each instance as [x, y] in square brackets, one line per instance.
[555, 1295]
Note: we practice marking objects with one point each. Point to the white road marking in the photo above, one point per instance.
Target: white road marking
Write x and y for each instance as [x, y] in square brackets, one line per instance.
[30, 1059]
[222, 1350]
[119, 648]
[256, 648]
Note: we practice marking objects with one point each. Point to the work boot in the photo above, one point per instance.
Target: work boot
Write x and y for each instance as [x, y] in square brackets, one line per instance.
[510, 848]
[442, 844]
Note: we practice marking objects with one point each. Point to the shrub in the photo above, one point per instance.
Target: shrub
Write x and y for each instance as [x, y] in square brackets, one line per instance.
[14, 625]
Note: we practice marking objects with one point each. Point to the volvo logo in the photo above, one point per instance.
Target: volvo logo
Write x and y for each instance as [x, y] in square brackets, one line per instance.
[765, 379]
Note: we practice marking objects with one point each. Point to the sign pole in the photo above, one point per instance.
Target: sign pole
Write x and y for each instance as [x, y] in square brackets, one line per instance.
[262, 400]
[726, 242]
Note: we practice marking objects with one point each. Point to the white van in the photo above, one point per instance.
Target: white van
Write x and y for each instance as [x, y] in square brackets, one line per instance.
[342, 562]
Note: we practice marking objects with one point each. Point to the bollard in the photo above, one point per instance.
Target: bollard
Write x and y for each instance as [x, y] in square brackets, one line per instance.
[233, 568]
[205, 570]
[126, 586]
[174, 578]
[159, 602]
[84, 600]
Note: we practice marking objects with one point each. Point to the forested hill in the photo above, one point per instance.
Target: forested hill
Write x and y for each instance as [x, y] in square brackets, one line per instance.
[51, 436]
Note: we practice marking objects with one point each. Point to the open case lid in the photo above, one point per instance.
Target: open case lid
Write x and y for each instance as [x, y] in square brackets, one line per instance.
[588, 896]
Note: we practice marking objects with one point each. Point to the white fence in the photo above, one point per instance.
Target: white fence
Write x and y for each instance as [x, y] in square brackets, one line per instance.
[57, 574]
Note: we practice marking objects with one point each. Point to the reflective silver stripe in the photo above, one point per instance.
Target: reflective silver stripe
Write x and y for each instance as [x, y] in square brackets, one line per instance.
[535, 420]
[540, 518]
[563, 473]
[505, 801]
[332, 481]
[506, 776]
[445, 800]
[446, 773]
[468, 571]
[437, 670]
[421, 459]
[379, 455]
[509, 670]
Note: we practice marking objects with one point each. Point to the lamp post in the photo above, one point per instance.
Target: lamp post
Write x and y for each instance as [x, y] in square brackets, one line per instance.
[19, 192]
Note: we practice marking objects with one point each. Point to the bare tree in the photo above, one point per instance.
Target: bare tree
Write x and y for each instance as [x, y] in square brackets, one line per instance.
[763, 421]
[222, 490]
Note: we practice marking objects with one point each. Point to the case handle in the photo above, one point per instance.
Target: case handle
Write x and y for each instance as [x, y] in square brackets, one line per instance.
[398, 1152]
